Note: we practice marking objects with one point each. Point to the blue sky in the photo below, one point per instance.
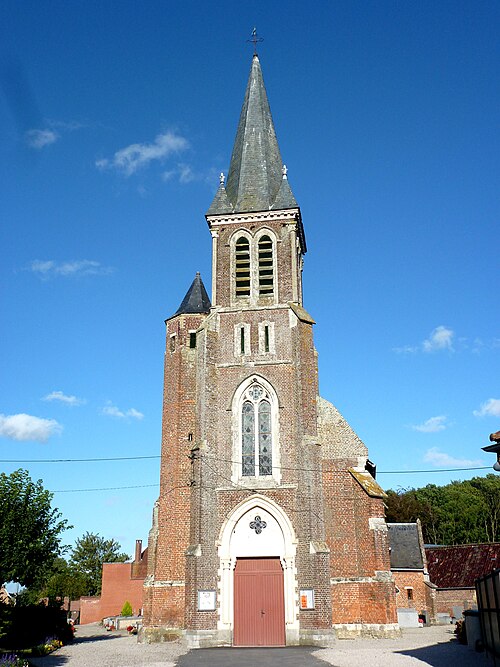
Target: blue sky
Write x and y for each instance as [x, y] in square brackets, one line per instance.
[117, 118]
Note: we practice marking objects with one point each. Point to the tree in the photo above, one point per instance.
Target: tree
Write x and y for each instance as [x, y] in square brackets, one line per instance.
[30, 529]
[65, 581]
[457, 513]
[88, 556]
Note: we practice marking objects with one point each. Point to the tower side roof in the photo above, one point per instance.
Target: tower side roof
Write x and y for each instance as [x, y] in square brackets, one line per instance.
[196, 299]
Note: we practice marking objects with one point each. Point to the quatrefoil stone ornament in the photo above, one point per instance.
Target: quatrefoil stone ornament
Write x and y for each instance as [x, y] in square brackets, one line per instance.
[258, 525]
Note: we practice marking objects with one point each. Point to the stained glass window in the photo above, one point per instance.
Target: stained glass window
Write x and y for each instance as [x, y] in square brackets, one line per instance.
[248, 439]
[256, 433]
[265, 439]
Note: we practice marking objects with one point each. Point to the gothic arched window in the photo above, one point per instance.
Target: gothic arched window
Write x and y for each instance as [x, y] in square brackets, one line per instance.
[266, 269]
[242, 267]
[256, 433]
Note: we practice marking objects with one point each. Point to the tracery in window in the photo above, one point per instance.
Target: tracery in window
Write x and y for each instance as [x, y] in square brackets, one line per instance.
[256, 433]
[266, 270]
[242, 266]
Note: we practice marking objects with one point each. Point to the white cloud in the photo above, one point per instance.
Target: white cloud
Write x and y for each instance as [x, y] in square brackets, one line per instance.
[63, 398]
[490, 408]
[27, 427]
[82, 267]
[183, 172]
[440, 459]
[38, 139]
[432, 425]
[439, 339]
[128, 160]
[112, 411]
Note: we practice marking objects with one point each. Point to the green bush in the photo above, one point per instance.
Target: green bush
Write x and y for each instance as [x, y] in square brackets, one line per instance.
[126, 609]
[26, 627]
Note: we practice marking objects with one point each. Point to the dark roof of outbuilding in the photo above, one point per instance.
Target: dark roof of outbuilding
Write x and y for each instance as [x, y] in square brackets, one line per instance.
[196, 299]
[255, 179]
[406, 550]
[459, 566]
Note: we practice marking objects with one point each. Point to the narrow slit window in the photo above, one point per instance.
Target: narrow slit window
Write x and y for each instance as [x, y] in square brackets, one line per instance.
[242, 267]
[266, 338]
[172, 343]
[266, 268]
[242, 340]
[192, 339]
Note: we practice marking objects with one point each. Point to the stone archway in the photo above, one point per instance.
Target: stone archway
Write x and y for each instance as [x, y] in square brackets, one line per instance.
[240, 539]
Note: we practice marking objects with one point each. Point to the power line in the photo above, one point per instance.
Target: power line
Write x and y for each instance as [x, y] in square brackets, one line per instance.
[215, 458]
[106, 488]
[94, 460]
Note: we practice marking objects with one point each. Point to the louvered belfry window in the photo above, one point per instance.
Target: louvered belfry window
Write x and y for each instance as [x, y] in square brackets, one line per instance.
[266, 270]
[242, 267]
[256, 433]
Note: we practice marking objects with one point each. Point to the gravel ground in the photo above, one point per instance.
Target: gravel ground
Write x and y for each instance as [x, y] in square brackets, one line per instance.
[94, 646]
[435, 646]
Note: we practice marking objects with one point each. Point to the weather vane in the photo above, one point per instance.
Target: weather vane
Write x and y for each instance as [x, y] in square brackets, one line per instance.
[255, 39]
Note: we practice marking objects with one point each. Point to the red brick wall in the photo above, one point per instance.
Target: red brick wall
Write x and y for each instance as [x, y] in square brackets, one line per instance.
[90, 610]
[446, 599]
[117, 588]
[422, 599]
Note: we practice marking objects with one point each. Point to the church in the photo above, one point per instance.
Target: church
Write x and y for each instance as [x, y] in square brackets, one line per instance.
[269, 529]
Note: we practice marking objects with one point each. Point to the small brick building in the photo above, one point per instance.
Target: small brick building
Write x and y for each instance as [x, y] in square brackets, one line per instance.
[454, 570]
[269, 528]
[414, 589]
[121, 582]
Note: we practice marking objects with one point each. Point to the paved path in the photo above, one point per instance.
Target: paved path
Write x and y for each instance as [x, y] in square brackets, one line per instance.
[434, 647]
[293, 656]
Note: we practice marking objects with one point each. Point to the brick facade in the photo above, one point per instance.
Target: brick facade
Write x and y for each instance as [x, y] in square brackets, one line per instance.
[328, 529]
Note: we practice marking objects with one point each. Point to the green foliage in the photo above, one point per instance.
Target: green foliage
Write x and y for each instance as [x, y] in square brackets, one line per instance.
[88, 556]
[126, 609]
[27, 627]
[457, 513]
[64, 581]
[30, 529]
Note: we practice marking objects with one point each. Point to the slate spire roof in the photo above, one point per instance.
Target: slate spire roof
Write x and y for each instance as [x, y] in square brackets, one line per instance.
[256, 179]
[196, 299]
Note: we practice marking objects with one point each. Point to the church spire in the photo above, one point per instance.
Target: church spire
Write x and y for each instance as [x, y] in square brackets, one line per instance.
[255, 175]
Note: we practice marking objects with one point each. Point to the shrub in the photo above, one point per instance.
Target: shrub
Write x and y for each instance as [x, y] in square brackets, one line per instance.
[126, 609]
[25, 627]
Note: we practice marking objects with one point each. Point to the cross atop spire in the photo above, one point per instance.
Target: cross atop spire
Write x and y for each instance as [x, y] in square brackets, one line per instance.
[255, 39]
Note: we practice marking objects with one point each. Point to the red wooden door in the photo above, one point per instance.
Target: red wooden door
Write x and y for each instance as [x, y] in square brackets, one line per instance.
[259, 602]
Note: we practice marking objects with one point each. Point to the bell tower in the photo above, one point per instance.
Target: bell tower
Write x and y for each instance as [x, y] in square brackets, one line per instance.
[268, 529]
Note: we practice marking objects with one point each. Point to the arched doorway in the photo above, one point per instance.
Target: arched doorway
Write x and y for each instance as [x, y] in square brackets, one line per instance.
[257, 574]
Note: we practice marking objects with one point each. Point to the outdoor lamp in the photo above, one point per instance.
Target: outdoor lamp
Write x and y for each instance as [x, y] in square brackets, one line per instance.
[495, 438]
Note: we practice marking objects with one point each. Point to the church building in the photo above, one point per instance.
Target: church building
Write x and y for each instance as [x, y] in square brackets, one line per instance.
[269, 529]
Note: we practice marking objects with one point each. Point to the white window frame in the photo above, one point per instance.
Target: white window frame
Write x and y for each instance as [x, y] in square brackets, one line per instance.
[237, 421]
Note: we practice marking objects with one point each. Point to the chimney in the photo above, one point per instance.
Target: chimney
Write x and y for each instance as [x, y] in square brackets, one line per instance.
[138, 551]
